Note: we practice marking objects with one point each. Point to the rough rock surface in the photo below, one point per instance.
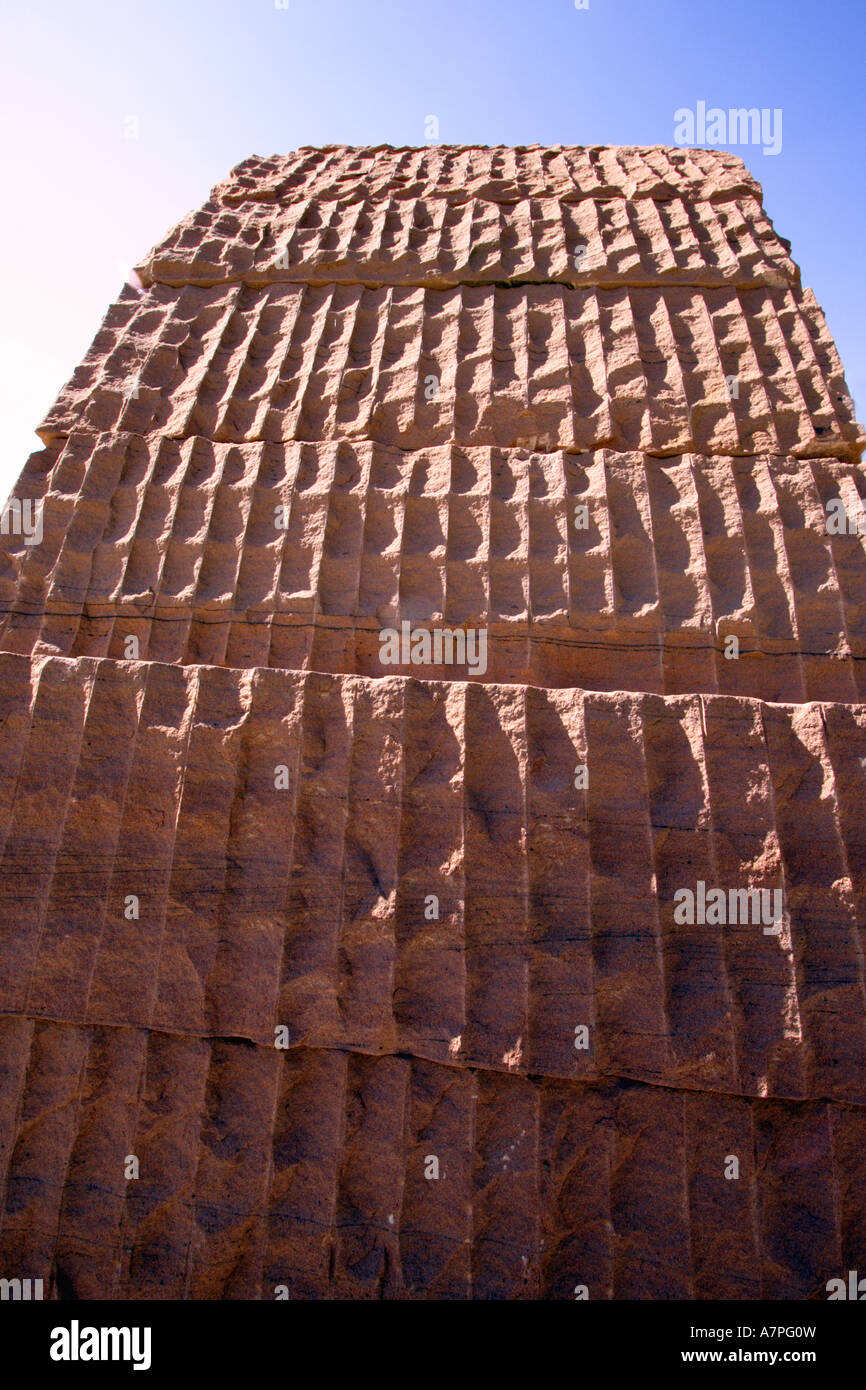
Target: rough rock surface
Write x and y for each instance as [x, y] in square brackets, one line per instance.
[222, 818]
[305, 1170]
[540, 366]
[305, 904]
[434, 242]
[173, 541]
[496, 173]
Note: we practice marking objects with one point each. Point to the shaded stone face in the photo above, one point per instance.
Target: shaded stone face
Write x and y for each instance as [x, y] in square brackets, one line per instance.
[431, 751]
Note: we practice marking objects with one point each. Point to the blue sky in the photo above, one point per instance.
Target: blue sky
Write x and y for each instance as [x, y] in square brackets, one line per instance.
[212, 81]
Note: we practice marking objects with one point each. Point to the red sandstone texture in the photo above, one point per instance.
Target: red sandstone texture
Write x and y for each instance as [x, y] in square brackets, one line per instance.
[538, 366]
[174, 542]
[495, 173]
[431, 241]
[222, 818]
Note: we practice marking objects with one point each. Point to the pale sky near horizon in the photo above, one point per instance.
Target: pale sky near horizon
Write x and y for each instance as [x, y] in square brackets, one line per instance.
[210, 82]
